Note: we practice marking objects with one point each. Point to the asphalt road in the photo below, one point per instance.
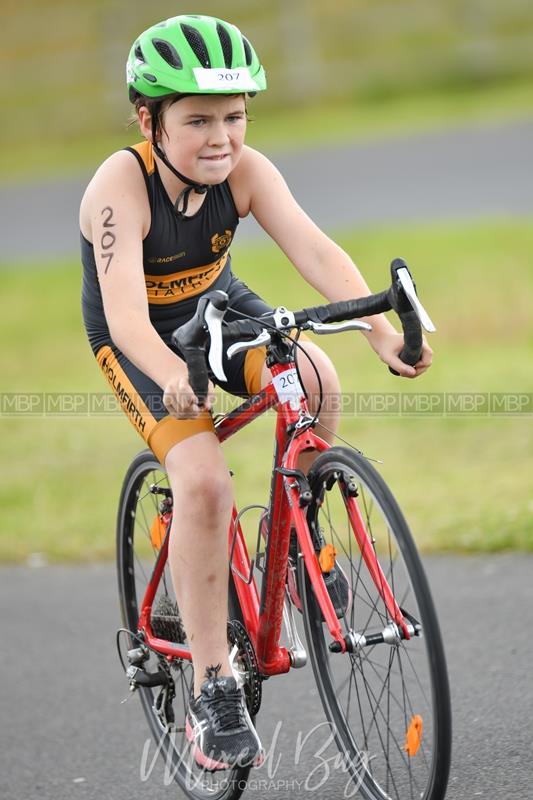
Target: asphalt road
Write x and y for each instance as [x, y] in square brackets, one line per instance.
[455, 174]
[65, 735]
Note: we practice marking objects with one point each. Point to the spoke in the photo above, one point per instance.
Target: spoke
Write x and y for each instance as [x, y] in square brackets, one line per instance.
[388, 728]
[373, 540]
[406, 725]
[147, 525]
[139, 557]
[366, 742]
[375, 666]
[370, 539]
[335, 536]
[412, 711]
[349, 695]
[138, 562]
[374, 704]
[391, 562]
[415, 673]
[371, 602]
[376, 709]
[376, 692]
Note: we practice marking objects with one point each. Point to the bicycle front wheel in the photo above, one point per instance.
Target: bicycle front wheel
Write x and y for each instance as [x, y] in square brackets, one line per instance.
[388, 703]
[139, 537]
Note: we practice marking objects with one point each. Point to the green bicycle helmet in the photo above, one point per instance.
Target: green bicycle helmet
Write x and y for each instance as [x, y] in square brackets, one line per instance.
[192, 54]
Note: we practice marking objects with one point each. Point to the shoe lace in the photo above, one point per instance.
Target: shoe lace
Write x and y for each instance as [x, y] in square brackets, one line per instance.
[228, 710]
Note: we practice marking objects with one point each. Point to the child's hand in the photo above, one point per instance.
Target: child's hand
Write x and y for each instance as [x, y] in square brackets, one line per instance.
[180, 400]
[388, 346]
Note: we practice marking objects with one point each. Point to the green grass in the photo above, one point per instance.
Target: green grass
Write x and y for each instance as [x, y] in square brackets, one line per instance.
[290, 129]
[463, 481]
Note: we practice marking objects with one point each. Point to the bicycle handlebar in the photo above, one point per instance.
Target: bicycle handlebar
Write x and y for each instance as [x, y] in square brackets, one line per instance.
[207, 325]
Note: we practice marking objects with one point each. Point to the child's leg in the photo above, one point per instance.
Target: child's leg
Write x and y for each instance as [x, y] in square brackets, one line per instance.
[198, 552]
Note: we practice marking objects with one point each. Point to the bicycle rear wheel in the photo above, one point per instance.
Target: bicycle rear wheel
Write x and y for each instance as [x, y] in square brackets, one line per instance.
[138, 542]
[388, 704]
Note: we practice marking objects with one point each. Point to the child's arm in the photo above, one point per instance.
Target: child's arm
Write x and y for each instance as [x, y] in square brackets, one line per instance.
[320, 261]
[113, 213]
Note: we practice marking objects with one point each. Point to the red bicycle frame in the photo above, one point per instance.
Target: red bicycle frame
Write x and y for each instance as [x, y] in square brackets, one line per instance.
[263, 615]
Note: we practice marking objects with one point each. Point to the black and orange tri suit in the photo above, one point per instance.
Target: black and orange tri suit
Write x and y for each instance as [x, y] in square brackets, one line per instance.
[183, 258]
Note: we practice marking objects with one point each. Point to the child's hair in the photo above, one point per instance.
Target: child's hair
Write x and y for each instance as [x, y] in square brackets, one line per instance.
[154, 107]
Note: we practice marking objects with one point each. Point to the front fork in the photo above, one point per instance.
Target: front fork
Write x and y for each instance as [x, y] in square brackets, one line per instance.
[402, 625]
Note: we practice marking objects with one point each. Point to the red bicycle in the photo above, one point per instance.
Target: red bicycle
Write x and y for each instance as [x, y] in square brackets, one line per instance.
[378, 662]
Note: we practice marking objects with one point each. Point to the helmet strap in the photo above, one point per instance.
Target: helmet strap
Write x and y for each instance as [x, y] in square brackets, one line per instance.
[192, 186]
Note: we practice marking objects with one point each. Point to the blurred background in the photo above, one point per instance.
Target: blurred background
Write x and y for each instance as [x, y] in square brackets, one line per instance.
[426, 104]
[66, 60]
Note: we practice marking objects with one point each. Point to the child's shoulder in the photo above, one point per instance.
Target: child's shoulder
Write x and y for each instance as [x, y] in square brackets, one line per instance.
[117, 167]
[252, 164]
[252, 176]
[116, 177]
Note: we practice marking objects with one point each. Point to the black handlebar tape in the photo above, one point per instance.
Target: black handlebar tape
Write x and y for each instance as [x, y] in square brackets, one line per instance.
[398, 299]
[346, 309]
[243, 330]
[412, 330]
[191, 341]
[198, 376]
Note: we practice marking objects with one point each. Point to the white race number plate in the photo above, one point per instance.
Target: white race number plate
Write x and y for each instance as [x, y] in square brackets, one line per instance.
[225, 80]
[288, 388]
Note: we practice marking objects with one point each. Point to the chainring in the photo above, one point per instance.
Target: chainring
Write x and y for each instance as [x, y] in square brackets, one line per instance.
[244, 663]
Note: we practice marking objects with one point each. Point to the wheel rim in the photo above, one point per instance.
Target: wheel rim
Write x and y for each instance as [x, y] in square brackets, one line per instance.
[137, 555]
[376, 697]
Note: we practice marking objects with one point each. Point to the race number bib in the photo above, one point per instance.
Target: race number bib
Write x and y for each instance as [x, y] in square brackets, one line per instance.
[225, 80]
[288, 388]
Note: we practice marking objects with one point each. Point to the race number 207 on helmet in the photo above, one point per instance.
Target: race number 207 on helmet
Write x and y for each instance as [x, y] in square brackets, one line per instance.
[193, 55]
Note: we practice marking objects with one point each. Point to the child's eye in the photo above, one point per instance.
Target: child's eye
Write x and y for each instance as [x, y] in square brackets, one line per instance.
[235, 118]
[197, 123]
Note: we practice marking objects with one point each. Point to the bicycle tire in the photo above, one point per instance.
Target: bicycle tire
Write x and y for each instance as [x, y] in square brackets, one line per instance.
[136, 556]
[372, 697]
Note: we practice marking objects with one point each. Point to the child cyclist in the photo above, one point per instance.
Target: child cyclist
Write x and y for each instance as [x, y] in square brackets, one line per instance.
[157, 221]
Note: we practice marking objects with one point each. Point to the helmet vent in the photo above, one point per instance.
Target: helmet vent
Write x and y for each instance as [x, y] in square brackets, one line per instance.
[139, 54]
[197, 44]
[225, 43]
[168, 52]
[247, 51]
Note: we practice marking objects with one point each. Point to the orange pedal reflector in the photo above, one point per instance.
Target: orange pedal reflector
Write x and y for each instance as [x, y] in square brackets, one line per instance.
[326, 558]
[158, 530]
[413, 737]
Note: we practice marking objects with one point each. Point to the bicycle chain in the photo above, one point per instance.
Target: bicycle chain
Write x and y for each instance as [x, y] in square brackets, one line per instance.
[253, 692]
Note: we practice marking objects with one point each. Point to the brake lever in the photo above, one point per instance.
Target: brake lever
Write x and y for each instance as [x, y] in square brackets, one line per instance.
[322, 328]
[214, 314]
[241, 347]
[404, 277]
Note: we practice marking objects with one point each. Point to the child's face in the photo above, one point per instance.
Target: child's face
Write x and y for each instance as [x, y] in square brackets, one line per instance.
[203, 135]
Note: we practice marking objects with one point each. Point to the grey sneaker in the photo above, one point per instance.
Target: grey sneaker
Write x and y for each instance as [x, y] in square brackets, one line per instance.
[220, 728]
